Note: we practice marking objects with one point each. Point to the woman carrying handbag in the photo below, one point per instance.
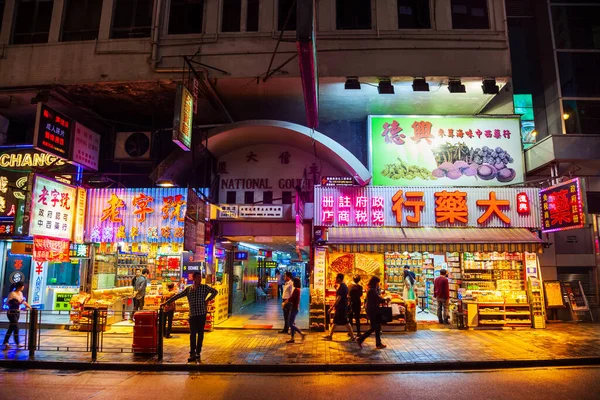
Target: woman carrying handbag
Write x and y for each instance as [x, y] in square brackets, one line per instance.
[374, 300]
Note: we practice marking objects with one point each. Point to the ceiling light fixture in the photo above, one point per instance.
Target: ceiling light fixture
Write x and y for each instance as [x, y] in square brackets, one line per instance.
[352, 83]
[385, 87]
[455, 86]
[489, 86]
[420, 85]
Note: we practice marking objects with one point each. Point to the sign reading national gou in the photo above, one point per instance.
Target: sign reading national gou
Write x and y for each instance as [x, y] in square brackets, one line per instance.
[427, 207]
[445, 150]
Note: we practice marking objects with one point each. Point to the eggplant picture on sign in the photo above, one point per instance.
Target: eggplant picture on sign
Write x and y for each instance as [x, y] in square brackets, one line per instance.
[53, 132]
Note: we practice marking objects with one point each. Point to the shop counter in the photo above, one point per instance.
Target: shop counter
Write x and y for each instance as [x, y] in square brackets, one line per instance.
[497, 314]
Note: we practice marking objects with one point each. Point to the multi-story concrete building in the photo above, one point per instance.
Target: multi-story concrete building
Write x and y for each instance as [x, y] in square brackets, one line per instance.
[555, 61]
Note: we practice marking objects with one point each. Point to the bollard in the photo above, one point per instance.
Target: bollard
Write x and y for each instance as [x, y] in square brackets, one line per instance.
[161, 329]
[32, 335]
[95, 314]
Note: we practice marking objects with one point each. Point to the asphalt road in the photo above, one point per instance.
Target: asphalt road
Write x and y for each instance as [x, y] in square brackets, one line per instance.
[547, 384]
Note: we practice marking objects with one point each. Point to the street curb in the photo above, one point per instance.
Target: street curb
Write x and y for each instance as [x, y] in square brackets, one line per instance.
[299, 368]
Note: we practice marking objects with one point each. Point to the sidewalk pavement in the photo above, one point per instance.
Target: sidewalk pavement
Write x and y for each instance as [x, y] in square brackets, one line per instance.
[433, 347]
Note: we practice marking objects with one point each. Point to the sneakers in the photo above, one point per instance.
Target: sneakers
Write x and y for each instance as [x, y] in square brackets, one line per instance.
[291, 341]
[327, 337]
[381, 346]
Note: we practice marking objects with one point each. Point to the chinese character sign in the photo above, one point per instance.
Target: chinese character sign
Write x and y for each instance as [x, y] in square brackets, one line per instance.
[53, 132]
[52, 208]
[136, 215]
[562, 207]
[184, 113]
[445, 151]
[50, 249]
[86, 147]
[426, 207]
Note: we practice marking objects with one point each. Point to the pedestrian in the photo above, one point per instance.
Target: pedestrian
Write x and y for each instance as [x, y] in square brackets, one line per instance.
[14, 300]
[280, 282]
[288, 288]
[139, 292]
[169, 310]
[409, 284]
[356, 292]
[341, 308]
[265, 282]
[374, 300]
[294, 300]
[138, 272]
[441, 291]
[198, 295]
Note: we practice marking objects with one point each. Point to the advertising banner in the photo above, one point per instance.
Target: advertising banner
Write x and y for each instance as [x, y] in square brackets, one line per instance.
[562, 207]
[182, 124]
[86, 147]
[38, 283]
[50, 249]
[153, 215]
[52, 208]
[426, 207]
[445, 150]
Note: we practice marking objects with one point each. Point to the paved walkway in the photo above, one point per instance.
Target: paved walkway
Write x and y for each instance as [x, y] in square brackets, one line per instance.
[433, 344]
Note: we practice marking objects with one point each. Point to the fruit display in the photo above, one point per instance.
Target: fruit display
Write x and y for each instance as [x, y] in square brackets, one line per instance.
[400, 170]
[485, 163]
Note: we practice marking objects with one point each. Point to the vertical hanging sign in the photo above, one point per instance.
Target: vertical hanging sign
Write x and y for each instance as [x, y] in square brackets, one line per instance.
[78, 226]
[53, 132]
[182, 123]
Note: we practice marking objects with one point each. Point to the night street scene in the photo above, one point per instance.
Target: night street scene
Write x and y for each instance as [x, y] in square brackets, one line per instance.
[319, 199]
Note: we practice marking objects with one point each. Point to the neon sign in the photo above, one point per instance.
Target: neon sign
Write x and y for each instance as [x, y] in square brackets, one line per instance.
[562, 207]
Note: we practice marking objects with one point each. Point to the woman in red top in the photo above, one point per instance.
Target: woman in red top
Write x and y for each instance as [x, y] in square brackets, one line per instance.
[294, 300]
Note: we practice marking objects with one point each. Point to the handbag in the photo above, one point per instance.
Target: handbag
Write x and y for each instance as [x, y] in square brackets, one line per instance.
[384, 315]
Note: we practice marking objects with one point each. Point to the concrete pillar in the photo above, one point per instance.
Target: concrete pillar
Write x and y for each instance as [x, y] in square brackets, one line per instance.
[106, 19]
[7, 22]
[56, 21]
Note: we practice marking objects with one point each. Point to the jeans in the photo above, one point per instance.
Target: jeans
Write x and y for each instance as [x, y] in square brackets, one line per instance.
[375, 327]
[355, 314]
[197, 323]
[13, 318]
[442, 304]
[292, 322]
[286, 316]
[168, 322]
[279, 290]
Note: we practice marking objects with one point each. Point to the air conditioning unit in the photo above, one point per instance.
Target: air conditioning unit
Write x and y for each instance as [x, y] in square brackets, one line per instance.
[133, 146]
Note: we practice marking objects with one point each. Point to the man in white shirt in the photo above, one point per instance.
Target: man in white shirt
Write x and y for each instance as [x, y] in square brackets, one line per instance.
[288, 289]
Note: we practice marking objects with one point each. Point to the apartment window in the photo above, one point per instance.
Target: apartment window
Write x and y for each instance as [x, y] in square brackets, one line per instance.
[252, 12]
[186, 16]
[576, 27]
[132, 19]
[413, 14]
[232, 15]
[268, 197]
[579, 74]
[248, 197]
[2, 3]
[353, 14]
[231, 198]
[470, 14]
[286, 197]
[82, 20]
[32, 21]
[584, 116]
[286, 7]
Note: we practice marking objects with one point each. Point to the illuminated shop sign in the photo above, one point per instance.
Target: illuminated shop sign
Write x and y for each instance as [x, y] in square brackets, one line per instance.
[53, 208]
[182, 125]
[86, 147]
[53, 132]
[561, 207]
[155, 215]
[426, 207]
[50, 249]
[445, 151]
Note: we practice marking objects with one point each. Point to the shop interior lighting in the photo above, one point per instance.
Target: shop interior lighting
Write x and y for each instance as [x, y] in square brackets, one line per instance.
[165, 183]
[420, 85]
[566, 116]
[455, 86]
[223, 240]
[385, 87]
[352, 83]
[489, 86]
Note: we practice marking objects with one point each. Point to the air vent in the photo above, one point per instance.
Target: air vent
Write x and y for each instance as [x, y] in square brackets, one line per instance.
[133, 145]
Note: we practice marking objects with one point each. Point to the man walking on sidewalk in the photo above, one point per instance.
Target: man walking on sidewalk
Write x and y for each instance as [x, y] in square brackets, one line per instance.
[441, 291]
[198, 296]
[288, 288]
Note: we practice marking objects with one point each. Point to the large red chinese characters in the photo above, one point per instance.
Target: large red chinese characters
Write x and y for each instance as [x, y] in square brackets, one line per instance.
[112, 213]
[140, 202]
[451, 206]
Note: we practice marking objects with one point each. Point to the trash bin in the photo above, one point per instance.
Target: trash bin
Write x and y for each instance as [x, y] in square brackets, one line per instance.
[145, 332]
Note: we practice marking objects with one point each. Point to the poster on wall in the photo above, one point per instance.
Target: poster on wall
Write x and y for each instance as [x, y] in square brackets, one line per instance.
[53, 208]
[562, 207]
[445, 150]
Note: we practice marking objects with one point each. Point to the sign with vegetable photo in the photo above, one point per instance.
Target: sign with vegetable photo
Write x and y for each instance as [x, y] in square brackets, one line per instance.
[445, 150]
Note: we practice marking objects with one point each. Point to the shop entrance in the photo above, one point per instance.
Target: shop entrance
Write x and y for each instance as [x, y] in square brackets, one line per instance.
[257, 273]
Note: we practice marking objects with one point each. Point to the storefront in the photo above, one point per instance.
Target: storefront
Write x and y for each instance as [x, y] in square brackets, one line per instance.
[484, 237]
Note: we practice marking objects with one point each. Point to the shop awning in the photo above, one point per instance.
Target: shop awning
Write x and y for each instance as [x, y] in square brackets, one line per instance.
[433, 239]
